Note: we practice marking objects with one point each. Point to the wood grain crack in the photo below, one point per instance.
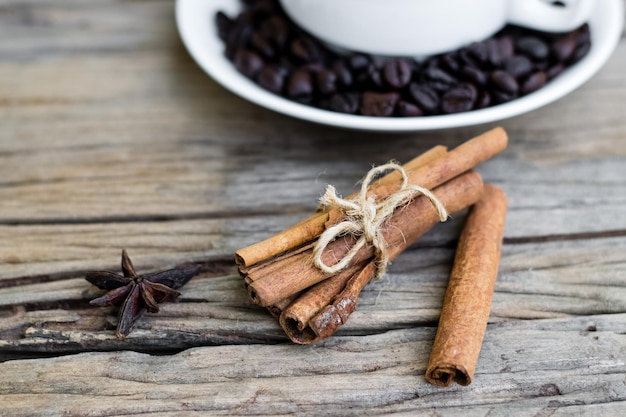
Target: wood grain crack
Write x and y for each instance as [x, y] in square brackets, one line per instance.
[565, 236]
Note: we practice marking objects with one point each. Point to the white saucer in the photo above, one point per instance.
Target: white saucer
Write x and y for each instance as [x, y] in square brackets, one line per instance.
[196, 24]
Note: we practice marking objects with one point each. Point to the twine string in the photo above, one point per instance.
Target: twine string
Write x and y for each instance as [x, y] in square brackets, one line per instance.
[364, 218]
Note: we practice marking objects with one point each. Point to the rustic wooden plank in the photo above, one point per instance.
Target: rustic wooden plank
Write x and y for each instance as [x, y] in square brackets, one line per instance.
[98, 128]
[366, 375]
[193, 186]
[538, 280]
[547, 202]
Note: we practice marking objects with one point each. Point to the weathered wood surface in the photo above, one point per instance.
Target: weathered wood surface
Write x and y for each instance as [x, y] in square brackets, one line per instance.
[345, 375]
[113, 138]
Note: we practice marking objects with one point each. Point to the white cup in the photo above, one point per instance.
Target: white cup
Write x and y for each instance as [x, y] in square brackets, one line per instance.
[426, 27]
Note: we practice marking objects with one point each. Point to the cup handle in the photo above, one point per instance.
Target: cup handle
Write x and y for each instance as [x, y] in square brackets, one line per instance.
[540, 15]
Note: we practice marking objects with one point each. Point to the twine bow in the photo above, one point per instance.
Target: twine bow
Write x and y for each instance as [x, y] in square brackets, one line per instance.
[364, 218]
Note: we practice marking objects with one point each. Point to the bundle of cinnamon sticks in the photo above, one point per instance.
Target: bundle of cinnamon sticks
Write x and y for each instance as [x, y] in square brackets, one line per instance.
[280, 273]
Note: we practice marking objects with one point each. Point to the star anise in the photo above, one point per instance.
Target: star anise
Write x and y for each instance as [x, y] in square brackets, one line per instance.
[137, 293]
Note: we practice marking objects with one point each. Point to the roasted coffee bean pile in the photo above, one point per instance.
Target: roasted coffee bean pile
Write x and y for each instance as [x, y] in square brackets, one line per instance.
[270, 49]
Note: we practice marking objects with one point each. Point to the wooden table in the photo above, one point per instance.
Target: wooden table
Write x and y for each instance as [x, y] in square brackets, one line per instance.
[111, 137]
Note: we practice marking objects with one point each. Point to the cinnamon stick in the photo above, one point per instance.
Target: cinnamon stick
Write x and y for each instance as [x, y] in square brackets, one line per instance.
[303, 308]
[311, 227]
[277, 309]
[437, 171]
[314, 315]
[272, 282]
[467, 301]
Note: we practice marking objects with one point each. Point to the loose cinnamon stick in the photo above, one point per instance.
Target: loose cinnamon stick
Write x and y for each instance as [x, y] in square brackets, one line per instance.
[441, 169]
[468, 297]
[314, 315]
[270, 283]
[311, 227]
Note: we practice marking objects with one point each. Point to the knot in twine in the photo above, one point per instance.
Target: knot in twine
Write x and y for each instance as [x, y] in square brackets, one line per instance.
[364, 218]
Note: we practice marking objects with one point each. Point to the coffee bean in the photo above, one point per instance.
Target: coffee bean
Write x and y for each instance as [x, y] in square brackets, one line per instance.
[425, 97]
[579, 53]
[438, 79]
[263, 7]
[474, 75]
[247, 16]
[345, 103]
[248, 62]
[518, 66]
[370, 77]
[478, 51]
[359, 61]
[272, 78]
[534, 82]
[563, 47]
[287, 63]
[499, 97]
[503, 81]
[300, 85]
[238, 37]
[313, 67]
[276, 29]
[262, 45]
[406, 109]
[450, 62]
[379, 104]
[506, 46]
[483, 99]
[471, 90]
[554, 70]
[494, 53]
[224, 24]
[326, 82]
[305, 49]
[344, 76]
[458, 99]
[533, 47]
[582, 35]
[397, 73]
[465, 58]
